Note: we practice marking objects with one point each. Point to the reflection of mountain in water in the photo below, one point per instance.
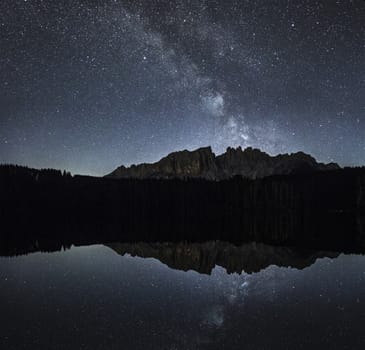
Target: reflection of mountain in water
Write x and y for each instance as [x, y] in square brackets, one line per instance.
[202, 257]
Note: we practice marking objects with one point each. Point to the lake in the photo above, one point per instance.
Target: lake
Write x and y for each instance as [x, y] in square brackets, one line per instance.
[102, 297]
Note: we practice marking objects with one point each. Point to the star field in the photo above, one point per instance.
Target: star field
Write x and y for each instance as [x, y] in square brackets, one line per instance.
[90, 85]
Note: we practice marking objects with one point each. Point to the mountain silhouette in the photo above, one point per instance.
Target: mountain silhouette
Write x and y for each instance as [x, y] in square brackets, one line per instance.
[204, 164]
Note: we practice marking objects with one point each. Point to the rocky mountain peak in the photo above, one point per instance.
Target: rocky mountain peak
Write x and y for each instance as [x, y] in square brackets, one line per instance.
[203, 163]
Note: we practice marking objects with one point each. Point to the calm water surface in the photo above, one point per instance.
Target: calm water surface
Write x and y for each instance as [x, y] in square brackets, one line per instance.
[93, 298]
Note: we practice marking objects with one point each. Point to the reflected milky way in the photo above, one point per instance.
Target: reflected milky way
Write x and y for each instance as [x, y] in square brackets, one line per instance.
[93, 298]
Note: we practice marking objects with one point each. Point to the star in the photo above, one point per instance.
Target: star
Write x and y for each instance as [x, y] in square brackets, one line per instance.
[237, 73]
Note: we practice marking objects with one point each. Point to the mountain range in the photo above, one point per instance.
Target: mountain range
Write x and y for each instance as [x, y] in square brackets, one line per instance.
[202, 163]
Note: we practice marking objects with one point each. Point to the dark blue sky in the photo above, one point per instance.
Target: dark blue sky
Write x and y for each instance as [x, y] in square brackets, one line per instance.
[90, 85]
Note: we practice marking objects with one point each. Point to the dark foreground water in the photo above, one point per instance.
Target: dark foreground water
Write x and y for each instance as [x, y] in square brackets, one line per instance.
[94, 298]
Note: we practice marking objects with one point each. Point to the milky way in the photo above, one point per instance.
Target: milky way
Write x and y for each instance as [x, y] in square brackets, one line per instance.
[89, 85]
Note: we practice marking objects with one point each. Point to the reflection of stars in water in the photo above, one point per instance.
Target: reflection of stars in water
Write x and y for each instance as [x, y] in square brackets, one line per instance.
[214, 317]
[231, 290]
[235, 286]
[135, 300]
[275, 289]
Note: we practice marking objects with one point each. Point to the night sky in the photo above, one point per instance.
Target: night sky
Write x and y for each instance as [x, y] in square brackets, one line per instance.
[90, 85]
